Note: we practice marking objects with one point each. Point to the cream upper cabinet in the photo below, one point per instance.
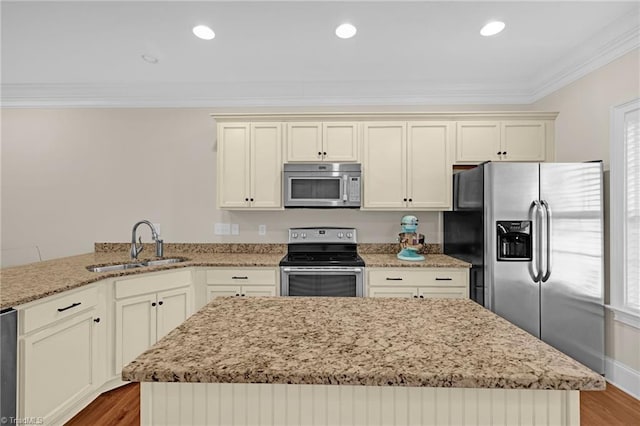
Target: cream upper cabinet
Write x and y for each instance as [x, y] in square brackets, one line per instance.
[407, 166]
[322, 141]
[429, 168]
[250, 166]
[384, 165]
[478, 141]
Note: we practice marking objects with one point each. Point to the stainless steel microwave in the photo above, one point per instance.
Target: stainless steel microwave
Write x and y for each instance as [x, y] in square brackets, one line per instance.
[322, 185]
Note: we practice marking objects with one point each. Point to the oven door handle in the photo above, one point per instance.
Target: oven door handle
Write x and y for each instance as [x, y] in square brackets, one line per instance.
[322, 269]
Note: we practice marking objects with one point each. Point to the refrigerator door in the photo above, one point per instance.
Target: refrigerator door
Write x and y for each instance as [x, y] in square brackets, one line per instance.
[510, 287]
[572, 312]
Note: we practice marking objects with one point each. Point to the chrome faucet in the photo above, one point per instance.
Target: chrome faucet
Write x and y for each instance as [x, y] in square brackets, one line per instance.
[136, 249]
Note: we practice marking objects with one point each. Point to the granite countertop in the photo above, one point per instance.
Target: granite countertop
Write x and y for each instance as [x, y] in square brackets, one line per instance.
[357, 341]
[377, 260]
[26, 283]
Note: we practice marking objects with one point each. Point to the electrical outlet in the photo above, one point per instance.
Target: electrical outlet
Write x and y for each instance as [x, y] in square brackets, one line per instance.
[157, 226]
[262, 229]
[222, 229]
[235, 229]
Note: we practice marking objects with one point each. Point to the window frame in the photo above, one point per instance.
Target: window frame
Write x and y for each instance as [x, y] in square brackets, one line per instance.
[618, 236]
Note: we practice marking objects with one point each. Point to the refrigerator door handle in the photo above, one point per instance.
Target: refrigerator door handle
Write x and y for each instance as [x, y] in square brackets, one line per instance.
[548, 214]
[536, 262]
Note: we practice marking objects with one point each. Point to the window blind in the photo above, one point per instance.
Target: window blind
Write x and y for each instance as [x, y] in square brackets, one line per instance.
[632, 210]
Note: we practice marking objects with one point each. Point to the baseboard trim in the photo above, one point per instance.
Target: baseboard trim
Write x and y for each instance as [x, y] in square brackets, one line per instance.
[622, 376]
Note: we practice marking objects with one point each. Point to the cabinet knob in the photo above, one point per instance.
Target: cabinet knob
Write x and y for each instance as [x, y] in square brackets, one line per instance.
[153, 303]
[242, 295]
[251, 199]
[415, 297]
[237, 294]
[421, 297]
[404, 199]
[160, 303]
[410, 199]
[324, 153]
[96, 320]
[499, 153]
[246, 199]
[320, 153]
[504, 152]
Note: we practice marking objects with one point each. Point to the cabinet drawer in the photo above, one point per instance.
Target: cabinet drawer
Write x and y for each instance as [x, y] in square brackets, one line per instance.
[152, 283]
[49, 311]
[440, 277]
[242, 276]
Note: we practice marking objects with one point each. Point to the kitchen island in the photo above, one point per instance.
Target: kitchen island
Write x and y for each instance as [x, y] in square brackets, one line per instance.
[355, 361]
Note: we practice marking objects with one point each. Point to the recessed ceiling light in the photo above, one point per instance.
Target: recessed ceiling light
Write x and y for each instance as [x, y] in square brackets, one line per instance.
[204, 32]
[346, 31]
[492, 28]
[150, 59]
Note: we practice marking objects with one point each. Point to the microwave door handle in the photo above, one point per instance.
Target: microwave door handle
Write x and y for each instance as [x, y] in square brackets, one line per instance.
[345, 181]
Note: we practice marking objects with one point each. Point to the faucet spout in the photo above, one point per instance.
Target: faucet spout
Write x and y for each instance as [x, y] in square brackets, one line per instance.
[137, 248]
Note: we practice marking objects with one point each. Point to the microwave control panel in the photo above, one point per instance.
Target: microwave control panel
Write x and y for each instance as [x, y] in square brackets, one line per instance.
[354, 189]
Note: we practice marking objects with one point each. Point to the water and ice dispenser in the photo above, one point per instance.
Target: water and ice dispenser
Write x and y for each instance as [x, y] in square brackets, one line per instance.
[514, 240]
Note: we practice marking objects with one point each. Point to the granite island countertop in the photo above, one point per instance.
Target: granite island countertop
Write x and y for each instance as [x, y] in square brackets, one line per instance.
[357, 341]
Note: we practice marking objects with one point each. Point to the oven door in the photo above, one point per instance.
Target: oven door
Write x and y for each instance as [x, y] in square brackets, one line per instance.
[331, 281]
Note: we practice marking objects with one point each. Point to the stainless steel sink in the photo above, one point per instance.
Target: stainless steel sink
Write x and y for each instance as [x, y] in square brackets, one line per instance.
[123, 266]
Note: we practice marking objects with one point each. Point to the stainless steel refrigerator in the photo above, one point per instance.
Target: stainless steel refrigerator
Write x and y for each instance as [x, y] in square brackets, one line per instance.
[534, 235]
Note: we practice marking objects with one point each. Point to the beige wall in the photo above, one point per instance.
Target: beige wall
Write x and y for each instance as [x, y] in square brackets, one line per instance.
[71, 177]
[582, 134]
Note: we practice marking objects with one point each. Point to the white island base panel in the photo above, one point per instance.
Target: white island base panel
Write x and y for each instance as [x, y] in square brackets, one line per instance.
[230, 404]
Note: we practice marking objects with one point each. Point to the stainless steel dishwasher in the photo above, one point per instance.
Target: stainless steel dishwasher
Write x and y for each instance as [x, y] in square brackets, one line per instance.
[8, 364]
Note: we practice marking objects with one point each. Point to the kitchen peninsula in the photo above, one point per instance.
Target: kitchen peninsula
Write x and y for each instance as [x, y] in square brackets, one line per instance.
[332, 361]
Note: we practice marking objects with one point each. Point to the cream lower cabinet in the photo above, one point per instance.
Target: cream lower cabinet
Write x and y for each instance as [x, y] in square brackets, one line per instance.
[249, 166]
[418, 283]
[146, 309]
[522, 140]
[60, 363]
[242, 282]
[407, 165]
[322, 141]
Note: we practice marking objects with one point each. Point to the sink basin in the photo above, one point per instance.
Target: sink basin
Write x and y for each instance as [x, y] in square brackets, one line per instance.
[123, 266]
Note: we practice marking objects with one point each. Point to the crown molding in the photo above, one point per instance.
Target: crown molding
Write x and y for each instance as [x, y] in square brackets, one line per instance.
[251, 94]
[617, 39]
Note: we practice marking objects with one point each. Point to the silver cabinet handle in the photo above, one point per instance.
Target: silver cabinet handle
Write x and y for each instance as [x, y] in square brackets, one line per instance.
[548, 213]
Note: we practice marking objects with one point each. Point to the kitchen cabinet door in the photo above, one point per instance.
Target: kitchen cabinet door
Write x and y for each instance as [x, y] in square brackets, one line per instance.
[384, 165]
[266, 166]
[222, 290]
[304, 142]
[59, 365]
[135, 327]
[258, 290]
[340, 142]
[523, 141]
[478, 141]
[173, 308]
[406, 292]
[233, 165]
[429, 168]
[443, 292]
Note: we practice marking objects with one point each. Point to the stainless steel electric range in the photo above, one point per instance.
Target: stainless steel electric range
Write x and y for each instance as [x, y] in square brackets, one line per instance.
[322, 262]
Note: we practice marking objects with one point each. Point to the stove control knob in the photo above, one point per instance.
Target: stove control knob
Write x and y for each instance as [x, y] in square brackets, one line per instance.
[303, 235]
[340, 235]
[349, 235]
[294, 235]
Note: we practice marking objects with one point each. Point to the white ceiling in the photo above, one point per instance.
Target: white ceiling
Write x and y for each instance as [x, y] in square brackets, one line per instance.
[285, 53]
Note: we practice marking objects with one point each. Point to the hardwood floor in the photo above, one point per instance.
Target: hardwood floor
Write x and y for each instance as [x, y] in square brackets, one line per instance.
[121, 407]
